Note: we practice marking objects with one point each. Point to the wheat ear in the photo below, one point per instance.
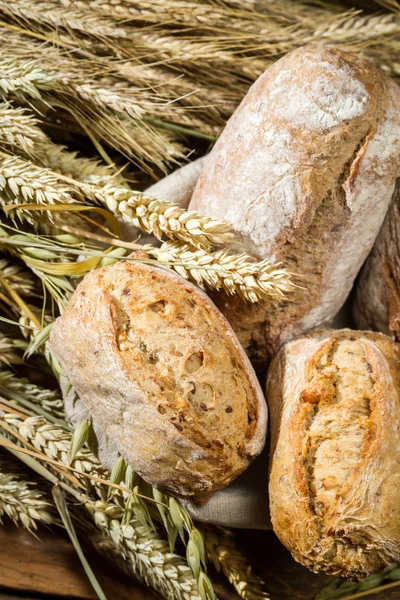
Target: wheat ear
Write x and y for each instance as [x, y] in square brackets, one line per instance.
[10, 353]
[21, 280]
[161, 217]
[235, 274]
[226, 557]
[23, 182]
[20, 389]
[21, 500]
[66, 84]
[147, 554]
[20, 132]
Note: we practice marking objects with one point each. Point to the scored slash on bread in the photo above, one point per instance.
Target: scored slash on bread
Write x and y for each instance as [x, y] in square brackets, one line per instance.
[334, 400]
[162, 373]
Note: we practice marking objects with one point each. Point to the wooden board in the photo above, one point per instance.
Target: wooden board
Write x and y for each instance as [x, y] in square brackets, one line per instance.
[49, 566]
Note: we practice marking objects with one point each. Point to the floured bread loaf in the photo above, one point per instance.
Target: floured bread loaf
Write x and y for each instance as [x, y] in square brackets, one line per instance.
[377, 304]
[334, 399]
[304, 170]
[164, 377]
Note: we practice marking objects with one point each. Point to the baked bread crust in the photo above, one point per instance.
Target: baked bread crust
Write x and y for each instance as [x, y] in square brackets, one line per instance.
[164, 376]
[334, 399]
[304, 170]
[377, 303]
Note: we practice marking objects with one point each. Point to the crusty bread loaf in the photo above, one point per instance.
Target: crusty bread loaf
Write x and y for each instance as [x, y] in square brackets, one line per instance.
[164, 376]
[377, 303]
[304, 171]
[334, 399]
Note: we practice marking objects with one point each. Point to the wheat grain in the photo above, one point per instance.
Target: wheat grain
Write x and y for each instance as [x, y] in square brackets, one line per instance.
[226, 557]
[21, 280]
[21, 500]
[20, 132]
[67, 84]
[55, 15]
[235, 274]
[15, 388]
[147, 555]
[23, 182]
[160, 217]
[10, 353]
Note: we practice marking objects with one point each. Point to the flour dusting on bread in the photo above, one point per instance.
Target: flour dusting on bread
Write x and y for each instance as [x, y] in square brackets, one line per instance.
[298, 173]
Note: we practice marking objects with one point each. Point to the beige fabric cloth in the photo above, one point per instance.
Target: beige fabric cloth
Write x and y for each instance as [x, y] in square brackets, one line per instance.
[244, 503]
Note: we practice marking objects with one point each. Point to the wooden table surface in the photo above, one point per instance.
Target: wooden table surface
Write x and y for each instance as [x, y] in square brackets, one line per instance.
[47, 568]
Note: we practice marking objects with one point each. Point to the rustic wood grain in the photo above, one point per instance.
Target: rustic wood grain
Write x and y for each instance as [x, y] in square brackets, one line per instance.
[49, 565]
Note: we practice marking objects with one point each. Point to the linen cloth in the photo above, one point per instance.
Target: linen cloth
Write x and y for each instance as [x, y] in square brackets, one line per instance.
[242, 504]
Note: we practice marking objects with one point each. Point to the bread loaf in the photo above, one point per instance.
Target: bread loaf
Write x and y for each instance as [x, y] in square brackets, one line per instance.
[334, 399]
[377, 304]
[304, 171]
[164, 377]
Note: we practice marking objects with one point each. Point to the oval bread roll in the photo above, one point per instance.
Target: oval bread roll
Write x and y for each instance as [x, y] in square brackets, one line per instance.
[377, 304]
[334, 399]
[304, 170]
[164, 376]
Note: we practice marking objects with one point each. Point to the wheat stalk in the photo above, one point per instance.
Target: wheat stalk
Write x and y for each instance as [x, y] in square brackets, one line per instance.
[347, 590]
[21, 181]
[235, 274]
[160, 217]
[25, 504]
[20, 389]
[226, 557]
[20, 132]
[10, 354]
[21, 500]
[146, 553]
[68, 84]
[55, 443]
[55, 15]
[21, 280]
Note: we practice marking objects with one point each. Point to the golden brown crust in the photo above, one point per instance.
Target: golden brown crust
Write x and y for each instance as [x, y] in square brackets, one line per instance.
[304, 171]
[334, 398]
[162, 373]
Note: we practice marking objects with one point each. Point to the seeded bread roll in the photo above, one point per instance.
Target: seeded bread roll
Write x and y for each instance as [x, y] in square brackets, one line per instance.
[304, 170]
[377, 304]
[334, 399]
[164, 376]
